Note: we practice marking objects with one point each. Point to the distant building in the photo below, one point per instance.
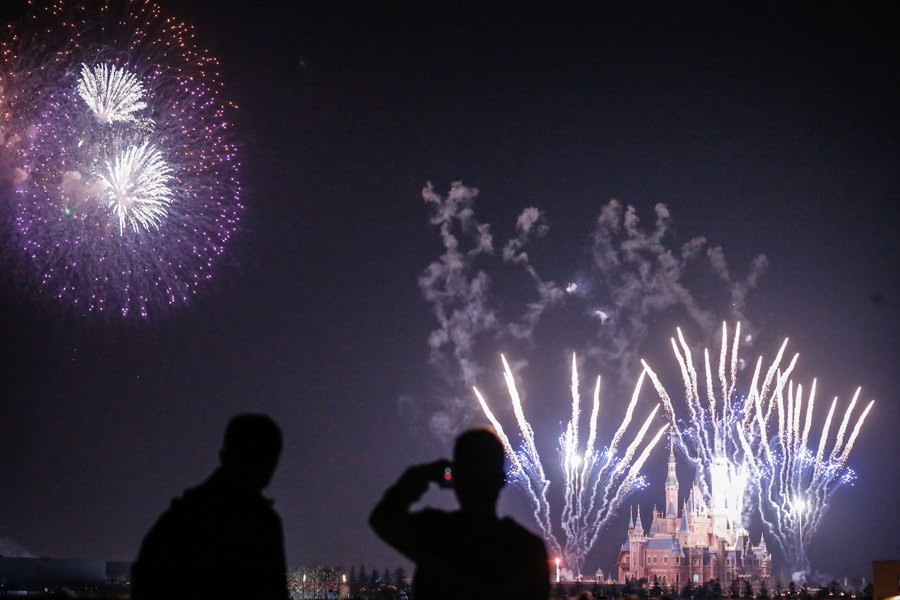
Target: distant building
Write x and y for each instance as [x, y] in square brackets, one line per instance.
[39, 574]
[696, 545]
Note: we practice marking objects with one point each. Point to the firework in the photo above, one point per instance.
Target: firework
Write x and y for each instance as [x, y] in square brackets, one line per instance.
[711, 441]
[111, 92]
[756, 446]
[795, 485]
[595, 481]
[138, 188]
[121, 171]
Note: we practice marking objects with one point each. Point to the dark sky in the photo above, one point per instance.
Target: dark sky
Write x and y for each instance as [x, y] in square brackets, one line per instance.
[767, 128]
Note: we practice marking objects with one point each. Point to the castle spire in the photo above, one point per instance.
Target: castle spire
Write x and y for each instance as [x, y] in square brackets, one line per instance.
[684, 521]
[671, 505]
[637, 524]
[631, 517]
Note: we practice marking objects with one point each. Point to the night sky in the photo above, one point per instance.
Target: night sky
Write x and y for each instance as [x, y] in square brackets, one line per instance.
[766, 128]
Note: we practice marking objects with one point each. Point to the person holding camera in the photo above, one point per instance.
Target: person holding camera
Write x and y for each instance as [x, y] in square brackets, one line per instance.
[469, 553]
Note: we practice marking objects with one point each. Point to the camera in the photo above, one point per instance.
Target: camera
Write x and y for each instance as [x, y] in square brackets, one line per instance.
[446, 479]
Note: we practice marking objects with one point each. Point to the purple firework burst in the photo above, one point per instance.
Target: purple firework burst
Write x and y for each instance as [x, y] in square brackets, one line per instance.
[121, 173]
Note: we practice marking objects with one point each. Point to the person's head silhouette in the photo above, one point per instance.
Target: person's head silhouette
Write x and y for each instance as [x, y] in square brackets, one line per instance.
[478, 474]
[251, 449]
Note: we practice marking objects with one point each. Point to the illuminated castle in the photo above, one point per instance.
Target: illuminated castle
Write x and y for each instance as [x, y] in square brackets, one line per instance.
[698, 545]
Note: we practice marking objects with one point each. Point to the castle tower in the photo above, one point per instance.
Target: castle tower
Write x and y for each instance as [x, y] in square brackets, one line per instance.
[671, 484]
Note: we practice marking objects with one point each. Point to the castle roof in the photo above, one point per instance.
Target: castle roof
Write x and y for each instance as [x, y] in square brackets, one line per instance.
[637, 524]
[662, 544]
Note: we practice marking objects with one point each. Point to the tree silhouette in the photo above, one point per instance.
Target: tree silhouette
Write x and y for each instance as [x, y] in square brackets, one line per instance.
[400, 579]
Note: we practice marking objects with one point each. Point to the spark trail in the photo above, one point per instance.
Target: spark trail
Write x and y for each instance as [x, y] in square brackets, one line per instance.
[595, 481]
[795, 484]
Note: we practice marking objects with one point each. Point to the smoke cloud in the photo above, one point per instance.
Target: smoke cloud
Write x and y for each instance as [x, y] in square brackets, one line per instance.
[643, 277]
[634, 274]
[11, 549]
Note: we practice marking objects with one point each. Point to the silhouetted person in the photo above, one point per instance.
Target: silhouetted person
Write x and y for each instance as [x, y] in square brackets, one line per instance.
[221, 539]
[469, 553]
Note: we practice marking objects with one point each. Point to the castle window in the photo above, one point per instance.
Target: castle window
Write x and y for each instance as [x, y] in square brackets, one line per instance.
[696, 578]
[665, 560]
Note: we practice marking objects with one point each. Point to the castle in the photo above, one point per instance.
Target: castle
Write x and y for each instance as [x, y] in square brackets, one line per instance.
[698, 545]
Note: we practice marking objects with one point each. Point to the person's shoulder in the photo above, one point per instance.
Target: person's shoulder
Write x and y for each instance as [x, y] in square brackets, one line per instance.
[512, 526]
[522, 536]
[191, 500]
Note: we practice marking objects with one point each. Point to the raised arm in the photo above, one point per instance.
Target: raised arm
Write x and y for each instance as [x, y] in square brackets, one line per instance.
[391, 518]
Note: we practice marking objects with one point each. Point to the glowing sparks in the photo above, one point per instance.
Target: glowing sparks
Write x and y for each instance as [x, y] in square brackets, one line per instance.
[595, 481]
[112, 93]
[138, 187]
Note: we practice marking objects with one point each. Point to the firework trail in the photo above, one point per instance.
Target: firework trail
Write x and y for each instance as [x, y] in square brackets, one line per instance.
[596, 481]
[795, 485]
[118, 161]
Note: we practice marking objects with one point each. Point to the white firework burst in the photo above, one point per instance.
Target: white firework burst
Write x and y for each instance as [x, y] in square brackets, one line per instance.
[114, 94]
[137, 187]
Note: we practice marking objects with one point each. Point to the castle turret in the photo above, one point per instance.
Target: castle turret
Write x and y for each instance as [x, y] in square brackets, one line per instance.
[685, 528]
[638, 528]
[671, 484]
